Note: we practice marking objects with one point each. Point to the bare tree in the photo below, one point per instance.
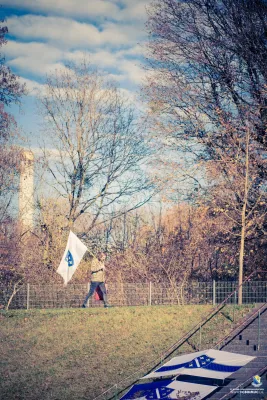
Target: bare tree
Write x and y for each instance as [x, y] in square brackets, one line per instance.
[208, 84]
[99, 146]
[234, 193]
[10, 92]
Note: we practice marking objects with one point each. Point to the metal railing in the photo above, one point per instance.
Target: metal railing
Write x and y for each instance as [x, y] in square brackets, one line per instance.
[223, 342]
[246, 383]
[255, 314]
[134, 294]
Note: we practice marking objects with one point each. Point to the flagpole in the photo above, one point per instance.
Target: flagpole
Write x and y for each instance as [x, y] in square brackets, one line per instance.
[89, 251]
[92, 254]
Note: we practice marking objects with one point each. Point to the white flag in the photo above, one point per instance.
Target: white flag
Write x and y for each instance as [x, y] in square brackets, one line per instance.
[73, 254]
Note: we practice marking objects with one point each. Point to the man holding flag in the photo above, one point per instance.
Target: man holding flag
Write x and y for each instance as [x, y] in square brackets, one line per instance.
[97, 279]
[72, 256]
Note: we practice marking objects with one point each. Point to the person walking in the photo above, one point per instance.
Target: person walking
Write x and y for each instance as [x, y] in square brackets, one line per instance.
[97, 279]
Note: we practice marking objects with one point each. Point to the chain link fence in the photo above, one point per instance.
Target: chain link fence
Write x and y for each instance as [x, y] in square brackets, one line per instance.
[132, 294]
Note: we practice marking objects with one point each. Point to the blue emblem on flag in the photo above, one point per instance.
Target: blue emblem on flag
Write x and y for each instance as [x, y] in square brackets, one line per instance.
[69, 258]
[160, 393]
[201, 362]
[151, 391]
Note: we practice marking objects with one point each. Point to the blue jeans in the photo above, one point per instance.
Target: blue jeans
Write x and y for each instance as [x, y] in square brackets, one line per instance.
[92, 289]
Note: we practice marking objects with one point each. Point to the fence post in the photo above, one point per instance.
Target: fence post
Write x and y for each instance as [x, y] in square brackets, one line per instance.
[116, 391]
[150, 294]
[28, 296]
[259, 329]
[88, 288]
[214, 292]
[235, 301]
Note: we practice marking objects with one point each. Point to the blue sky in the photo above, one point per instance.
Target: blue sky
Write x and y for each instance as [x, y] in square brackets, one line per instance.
[46, 34]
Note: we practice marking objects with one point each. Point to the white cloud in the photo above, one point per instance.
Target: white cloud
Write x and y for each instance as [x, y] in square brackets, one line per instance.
[131, 69]
[54, 40]
[70, 33]
[35, 58]
[116, 10]
[116, 77]
[100, 57]
[39, 59]
[57, 31]
[73, 8]
[54, 30]
[134, 72]
[32, 50]
[134, 10]
[131, 96]
[35, 66]
[34, 88]
[37, 89]
[137, 50]
[134, 32]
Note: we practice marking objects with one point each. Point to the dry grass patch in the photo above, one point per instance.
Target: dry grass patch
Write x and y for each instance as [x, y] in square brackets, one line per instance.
[76, 354]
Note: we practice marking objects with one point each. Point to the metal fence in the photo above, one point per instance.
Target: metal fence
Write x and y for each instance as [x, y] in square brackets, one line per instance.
[133, 294]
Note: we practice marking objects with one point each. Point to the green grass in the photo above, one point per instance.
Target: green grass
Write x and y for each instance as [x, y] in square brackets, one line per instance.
[77, 354]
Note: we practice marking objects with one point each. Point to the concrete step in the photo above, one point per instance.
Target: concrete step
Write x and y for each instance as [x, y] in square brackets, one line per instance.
[246, 350]
[248, 341]
[252, 347]
[238, 378]
[251, 335]
[245, 341]
[254, 327]
[262, 355]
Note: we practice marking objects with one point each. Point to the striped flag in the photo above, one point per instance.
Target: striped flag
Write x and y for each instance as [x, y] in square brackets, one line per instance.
[72, 256]
[215, 364]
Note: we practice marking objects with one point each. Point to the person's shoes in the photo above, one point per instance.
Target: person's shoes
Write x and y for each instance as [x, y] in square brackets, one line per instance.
[83, 306]
[107, 306]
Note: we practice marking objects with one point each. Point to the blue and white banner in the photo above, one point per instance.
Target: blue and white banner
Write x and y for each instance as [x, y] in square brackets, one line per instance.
[215, 364]
[73, 254]
[168, 389]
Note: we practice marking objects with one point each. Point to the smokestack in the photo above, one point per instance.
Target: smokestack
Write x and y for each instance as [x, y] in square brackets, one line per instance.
[26, 191]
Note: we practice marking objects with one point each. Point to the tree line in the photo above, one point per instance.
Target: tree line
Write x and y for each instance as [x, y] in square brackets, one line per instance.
[198, 152]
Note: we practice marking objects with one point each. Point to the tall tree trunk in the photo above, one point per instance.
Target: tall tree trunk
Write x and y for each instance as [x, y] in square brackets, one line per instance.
[243, 223]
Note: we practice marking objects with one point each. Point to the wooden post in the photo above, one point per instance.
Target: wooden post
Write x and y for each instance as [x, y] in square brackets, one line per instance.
[88, 288]
[150, 294]
[28, 296]
[214, 292]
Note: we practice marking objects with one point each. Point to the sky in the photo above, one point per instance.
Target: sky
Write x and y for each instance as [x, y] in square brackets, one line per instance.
[46, 34]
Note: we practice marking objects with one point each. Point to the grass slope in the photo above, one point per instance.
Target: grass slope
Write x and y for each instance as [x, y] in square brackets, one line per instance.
[76, 354]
